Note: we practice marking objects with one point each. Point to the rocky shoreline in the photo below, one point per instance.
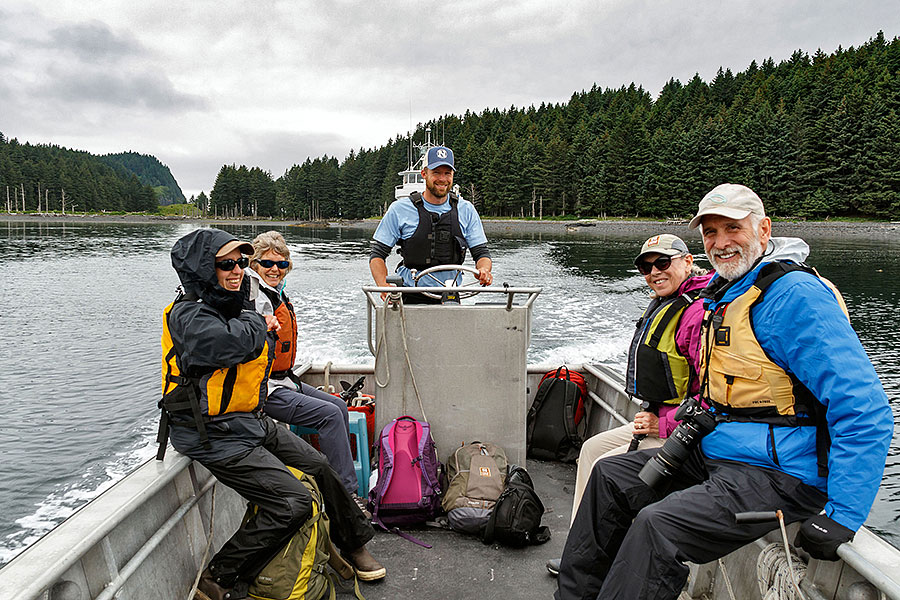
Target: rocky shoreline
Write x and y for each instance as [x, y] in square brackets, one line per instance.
[585, 227]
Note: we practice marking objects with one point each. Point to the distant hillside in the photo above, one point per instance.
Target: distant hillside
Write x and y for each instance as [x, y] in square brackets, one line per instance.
[46, 177]
[150, 172]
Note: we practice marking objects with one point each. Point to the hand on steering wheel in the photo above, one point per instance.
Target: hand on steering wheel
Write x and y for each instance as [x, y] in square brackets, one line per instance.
[426, 278]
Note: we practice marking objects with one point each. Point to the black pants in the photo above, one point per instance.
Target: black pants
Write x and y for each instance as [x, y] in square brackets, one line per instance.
[284, 503]
[418, 298]
[628, 541]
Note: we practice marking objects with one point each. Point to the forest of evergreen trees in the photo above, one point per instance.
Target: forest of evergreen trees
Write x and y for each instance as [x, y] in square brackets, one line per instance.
[151, 172]
[815, 136]
[51, 178]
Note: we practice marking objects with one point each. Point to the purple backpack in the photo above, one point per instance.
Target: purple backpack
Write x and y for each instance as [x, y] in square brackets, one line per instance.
[407, 492]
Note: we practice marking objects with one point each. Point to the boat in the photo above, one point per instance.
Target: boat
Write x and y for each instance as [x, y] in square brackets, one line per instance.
[150, 534]
[411, 178]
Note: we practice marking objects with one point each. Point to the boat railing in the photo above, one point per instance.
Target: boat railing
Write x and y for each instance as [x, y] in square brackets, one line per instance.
[110, 543]
[373, 297]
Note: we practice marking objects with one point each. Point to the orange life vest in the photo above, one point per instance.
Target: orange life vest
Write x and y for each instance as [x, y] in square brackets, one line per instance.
[286, 345]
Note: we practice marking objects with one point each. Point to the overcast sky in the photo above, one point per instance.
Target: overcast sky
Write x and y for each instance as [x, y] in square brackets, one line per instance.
[203, 83]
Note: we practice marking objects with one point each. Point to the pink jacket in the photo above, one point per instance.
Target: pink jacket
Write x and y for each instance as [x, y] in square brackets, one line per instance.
[687, 338]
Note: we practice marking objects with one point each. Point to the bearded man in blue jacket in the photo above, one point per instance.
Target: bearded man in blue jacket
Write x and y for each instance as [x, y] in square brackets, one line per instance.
[802, 424]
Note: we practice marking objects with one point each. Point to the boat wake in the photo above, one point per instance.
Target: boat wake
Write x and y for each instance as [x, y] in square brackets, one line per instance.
[68, 497]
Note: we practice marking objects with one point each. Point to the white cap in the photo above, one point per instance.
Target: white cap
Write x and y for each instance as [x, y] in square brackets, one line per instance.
[729, 200]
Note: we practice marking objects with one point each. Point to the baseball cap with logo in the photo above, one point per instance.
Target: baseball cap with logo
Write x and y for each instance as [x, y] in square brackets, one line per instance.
[438, 156]
[729, 200]
[667, 244]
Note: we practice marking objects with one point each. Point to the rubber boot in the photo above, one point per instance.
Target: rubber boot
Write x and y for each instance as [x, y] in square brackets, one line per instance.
[367, 568]
[553, 566]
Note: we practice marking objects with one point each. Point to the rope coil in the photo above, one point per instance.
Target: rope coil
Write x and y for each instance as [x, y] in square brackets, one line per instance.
[776, 573]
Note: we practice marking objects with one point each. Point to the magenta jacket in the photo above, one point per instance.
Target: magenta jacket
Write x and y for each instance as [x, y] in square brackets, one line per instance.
[687, 338]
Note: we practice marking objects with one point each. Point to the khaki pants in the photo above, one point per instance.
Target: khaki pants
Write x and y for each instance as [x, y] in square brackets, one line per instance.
[609, 443]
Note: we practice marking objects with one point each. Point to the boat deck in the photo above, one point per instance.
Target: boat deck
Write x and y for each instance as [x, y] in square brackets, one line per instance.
[461, 567]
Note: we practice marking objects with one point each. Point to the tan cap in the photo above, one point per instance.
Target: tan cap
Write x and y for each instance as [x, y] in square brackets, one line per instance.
[668, 244]
[244, 247]
[729, 200]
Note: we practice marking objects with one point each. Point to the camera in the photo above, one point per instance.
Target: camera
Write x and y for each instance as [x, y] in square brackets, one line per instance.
[696, 422]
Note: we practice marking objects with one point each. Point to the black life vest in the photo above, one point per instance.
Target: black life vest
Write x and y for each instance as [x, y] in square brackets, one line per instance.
[657, 372]
[438, 239]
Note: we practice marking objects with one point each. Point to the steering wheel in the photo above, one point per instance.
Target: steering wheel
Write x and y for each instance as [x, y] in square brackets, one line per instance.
[431, 281]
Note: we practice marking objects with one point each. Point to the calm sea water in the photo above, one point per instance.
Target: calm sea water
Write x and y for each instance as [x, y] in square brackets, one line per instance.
[80, 316]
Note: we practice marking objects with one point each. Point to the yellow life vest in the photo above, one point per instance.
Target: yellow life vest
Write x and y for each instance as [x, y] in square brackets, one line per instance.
[737, 375]
[235, 389]
[657, 371]
[240, 388]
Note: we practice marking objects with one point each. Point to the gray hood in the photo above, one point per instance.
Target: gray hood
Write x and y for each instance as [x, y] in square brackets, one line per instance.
[194, 258]
[786, 248]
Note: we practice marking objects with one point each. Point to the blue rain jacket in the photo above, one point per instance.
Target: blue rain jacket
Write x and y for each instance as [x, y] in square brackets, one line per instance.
[801, 327]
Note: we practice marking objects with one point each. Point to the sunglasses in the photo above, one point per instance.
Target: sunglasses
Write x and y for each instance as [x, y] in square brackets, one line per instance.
[228, 263]
[662, 263]
[268, 264]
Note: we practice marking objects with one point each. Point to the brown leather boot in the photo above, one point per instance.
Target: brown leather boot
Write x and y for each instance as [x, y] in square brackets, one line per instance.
[209, 589]
[367, 568]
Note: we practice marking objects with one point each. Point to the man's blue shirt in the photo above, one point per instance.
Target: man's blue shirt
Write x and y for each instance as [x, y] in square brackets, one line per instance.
[402, 219]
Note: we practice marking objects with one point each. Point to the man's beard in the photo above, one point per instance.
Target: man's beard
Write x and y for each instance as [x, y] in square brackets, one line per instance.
[733, 270]
[433, 188]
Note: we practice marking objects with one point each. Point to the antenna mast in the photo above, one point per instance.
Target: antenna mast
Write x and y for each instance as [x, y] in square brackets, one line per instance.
[409, 147]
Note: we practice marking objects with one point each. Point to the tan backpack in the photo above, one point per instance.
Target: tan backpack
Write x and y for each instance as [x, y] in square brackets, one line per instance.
[476, 473]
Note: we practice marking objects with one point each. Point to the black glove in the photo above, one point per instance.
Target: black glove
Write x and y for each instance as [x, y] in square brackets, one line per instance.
[821, 536]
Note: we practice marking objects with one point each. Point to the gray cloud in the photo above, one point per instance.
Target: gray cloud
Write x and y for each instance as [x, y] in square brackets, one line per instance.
[5, 22]
[476, 54]
[141, 89]
[271, 82]
[94, 41]
[289, 148]
[68, 76]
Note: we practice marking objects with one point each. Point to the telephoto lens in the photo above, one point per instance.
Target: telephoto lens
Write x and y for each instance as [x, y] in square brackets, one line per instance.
[695, 423]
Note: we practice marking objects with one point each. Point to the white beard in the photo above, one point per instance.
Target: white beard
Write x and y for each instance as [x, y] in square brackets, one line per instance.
[734, 270]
